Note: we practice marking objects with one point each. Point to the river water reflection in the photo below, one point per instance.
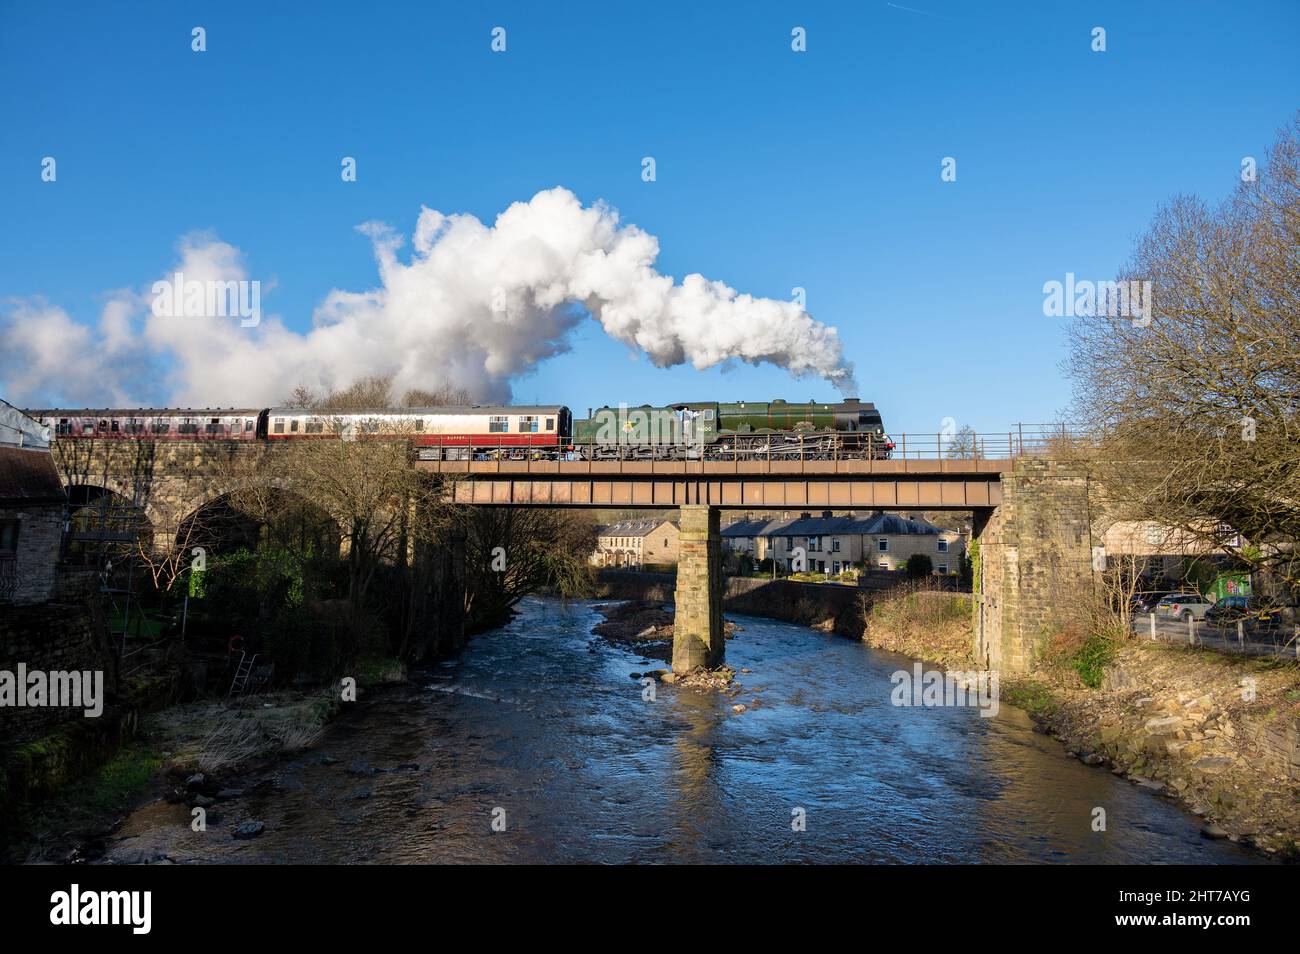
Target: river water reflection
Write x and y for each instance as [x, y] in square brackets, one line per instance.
[542, 720]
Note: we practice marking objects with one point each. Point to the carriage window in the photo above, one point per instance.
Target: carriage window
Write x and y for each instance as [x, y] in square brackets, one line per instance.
[293, 426]
[134, 425]
[314, 426]
[214, 426]
[188, 425]
[528, 425]
[550, 423]
[103, 425]
[161, 426]
[498, 425]
[64, 427]
[112, 426]
[708, 413]
[248, 425]
[279, 426]
[419, 425]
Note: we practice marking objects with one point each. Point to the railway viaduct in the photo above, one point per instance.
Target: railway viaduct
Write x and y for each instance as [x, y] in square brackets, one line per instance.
[1032, 516]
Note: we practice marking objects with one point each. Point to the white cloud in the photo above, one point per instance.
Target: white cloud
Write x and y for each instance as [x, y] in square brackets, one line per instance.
[474, 307]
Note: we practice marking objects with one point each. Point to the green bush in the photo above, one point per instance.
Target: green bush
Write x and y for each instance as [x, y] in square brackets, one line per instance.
[1091, 659]
[918, 565]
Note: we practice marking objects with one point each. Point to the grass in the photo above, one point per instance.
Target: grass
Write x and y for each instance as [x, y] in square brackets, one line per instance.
[215, 737]
[1091, 659]
[1033, 696]
[104, 792]
[117, 784]
[927, 624]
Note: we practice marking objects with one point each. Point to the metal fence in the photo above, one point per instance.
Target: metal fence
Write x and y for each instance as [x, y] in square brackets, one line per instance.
[1024, 440]
[1241, 637]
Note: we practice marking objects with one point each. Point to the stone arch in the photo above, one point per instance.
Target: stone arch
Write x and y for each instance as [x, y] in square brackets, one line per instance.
[217, 515]
[102, 522]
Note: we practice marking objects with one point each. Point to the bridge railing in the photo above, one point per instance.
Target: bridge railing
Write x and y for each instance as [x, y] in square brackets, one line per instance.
[1021, 441]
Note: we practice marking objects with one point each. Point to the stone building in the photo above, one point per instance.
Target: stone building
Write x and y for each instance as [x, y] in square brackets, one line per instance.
[636, 543]
[832, 544]
[33, 505]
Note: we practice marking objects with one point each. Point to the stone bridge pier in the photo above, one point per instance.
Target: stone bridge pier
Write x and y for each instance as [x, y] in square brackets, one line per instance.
[1035, 575]
[698, 638]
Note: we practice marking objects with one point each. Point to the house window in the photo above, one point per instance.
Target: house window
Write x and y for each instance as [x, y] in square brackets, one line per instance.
[8, 537]
[882, 546]
[498, 425]
[943, 569]
[835, 567]
[835, 545]
[943, 546]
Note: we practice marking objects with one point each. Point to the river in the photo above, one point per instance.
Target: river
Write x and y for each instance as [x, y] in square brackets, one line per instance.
[540, 727]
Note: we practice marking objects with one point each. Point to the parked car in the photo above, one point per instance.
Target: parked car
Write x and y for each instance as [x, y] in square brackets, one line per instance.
[1146, 602]
[1257, 614]
[1183, 606]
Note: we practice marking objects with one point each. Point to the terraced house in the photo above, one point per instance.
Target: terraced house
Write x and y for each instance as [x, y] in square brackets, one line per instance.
[833, 544]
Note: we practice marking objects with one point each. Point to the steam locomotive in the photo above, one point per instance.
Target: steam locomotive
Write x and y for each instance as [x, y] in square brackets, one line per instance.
[687, 431]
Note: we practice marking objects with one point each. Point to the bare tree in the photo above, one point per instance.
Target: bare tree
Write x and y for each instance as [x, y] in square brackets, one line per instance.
[513, 551]
[964, 444]
[1197, 405]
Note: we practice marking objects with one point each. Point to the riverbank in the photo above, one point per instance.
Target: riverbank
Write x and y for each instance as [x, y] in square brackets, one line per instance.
[196, 754]
[1218, 734]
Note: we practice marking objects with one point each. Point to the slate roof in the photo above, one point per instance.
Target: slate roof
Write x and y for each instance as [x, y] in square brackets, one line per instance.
[877, 524]
[28, 477]
[631, 528]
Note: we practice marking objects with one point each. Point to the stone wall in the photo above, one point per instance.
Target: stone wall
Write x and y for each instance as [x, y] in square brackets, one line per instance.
[49, 637]
[824, 606]
[1035, 561]
[40, 537]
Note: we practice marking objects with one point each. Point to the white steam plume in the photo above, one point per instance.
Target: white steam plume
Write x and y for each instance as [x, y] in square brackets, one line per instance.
[474, 307]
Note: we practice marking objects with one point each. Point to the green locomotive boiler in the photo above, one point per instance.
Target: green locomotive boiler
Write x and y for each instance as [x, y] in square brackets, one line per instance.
[742, 430]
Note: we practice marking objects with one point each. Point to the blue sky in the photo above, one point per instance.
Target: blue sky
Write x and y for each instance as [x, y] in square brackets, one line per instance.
[775, 169]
